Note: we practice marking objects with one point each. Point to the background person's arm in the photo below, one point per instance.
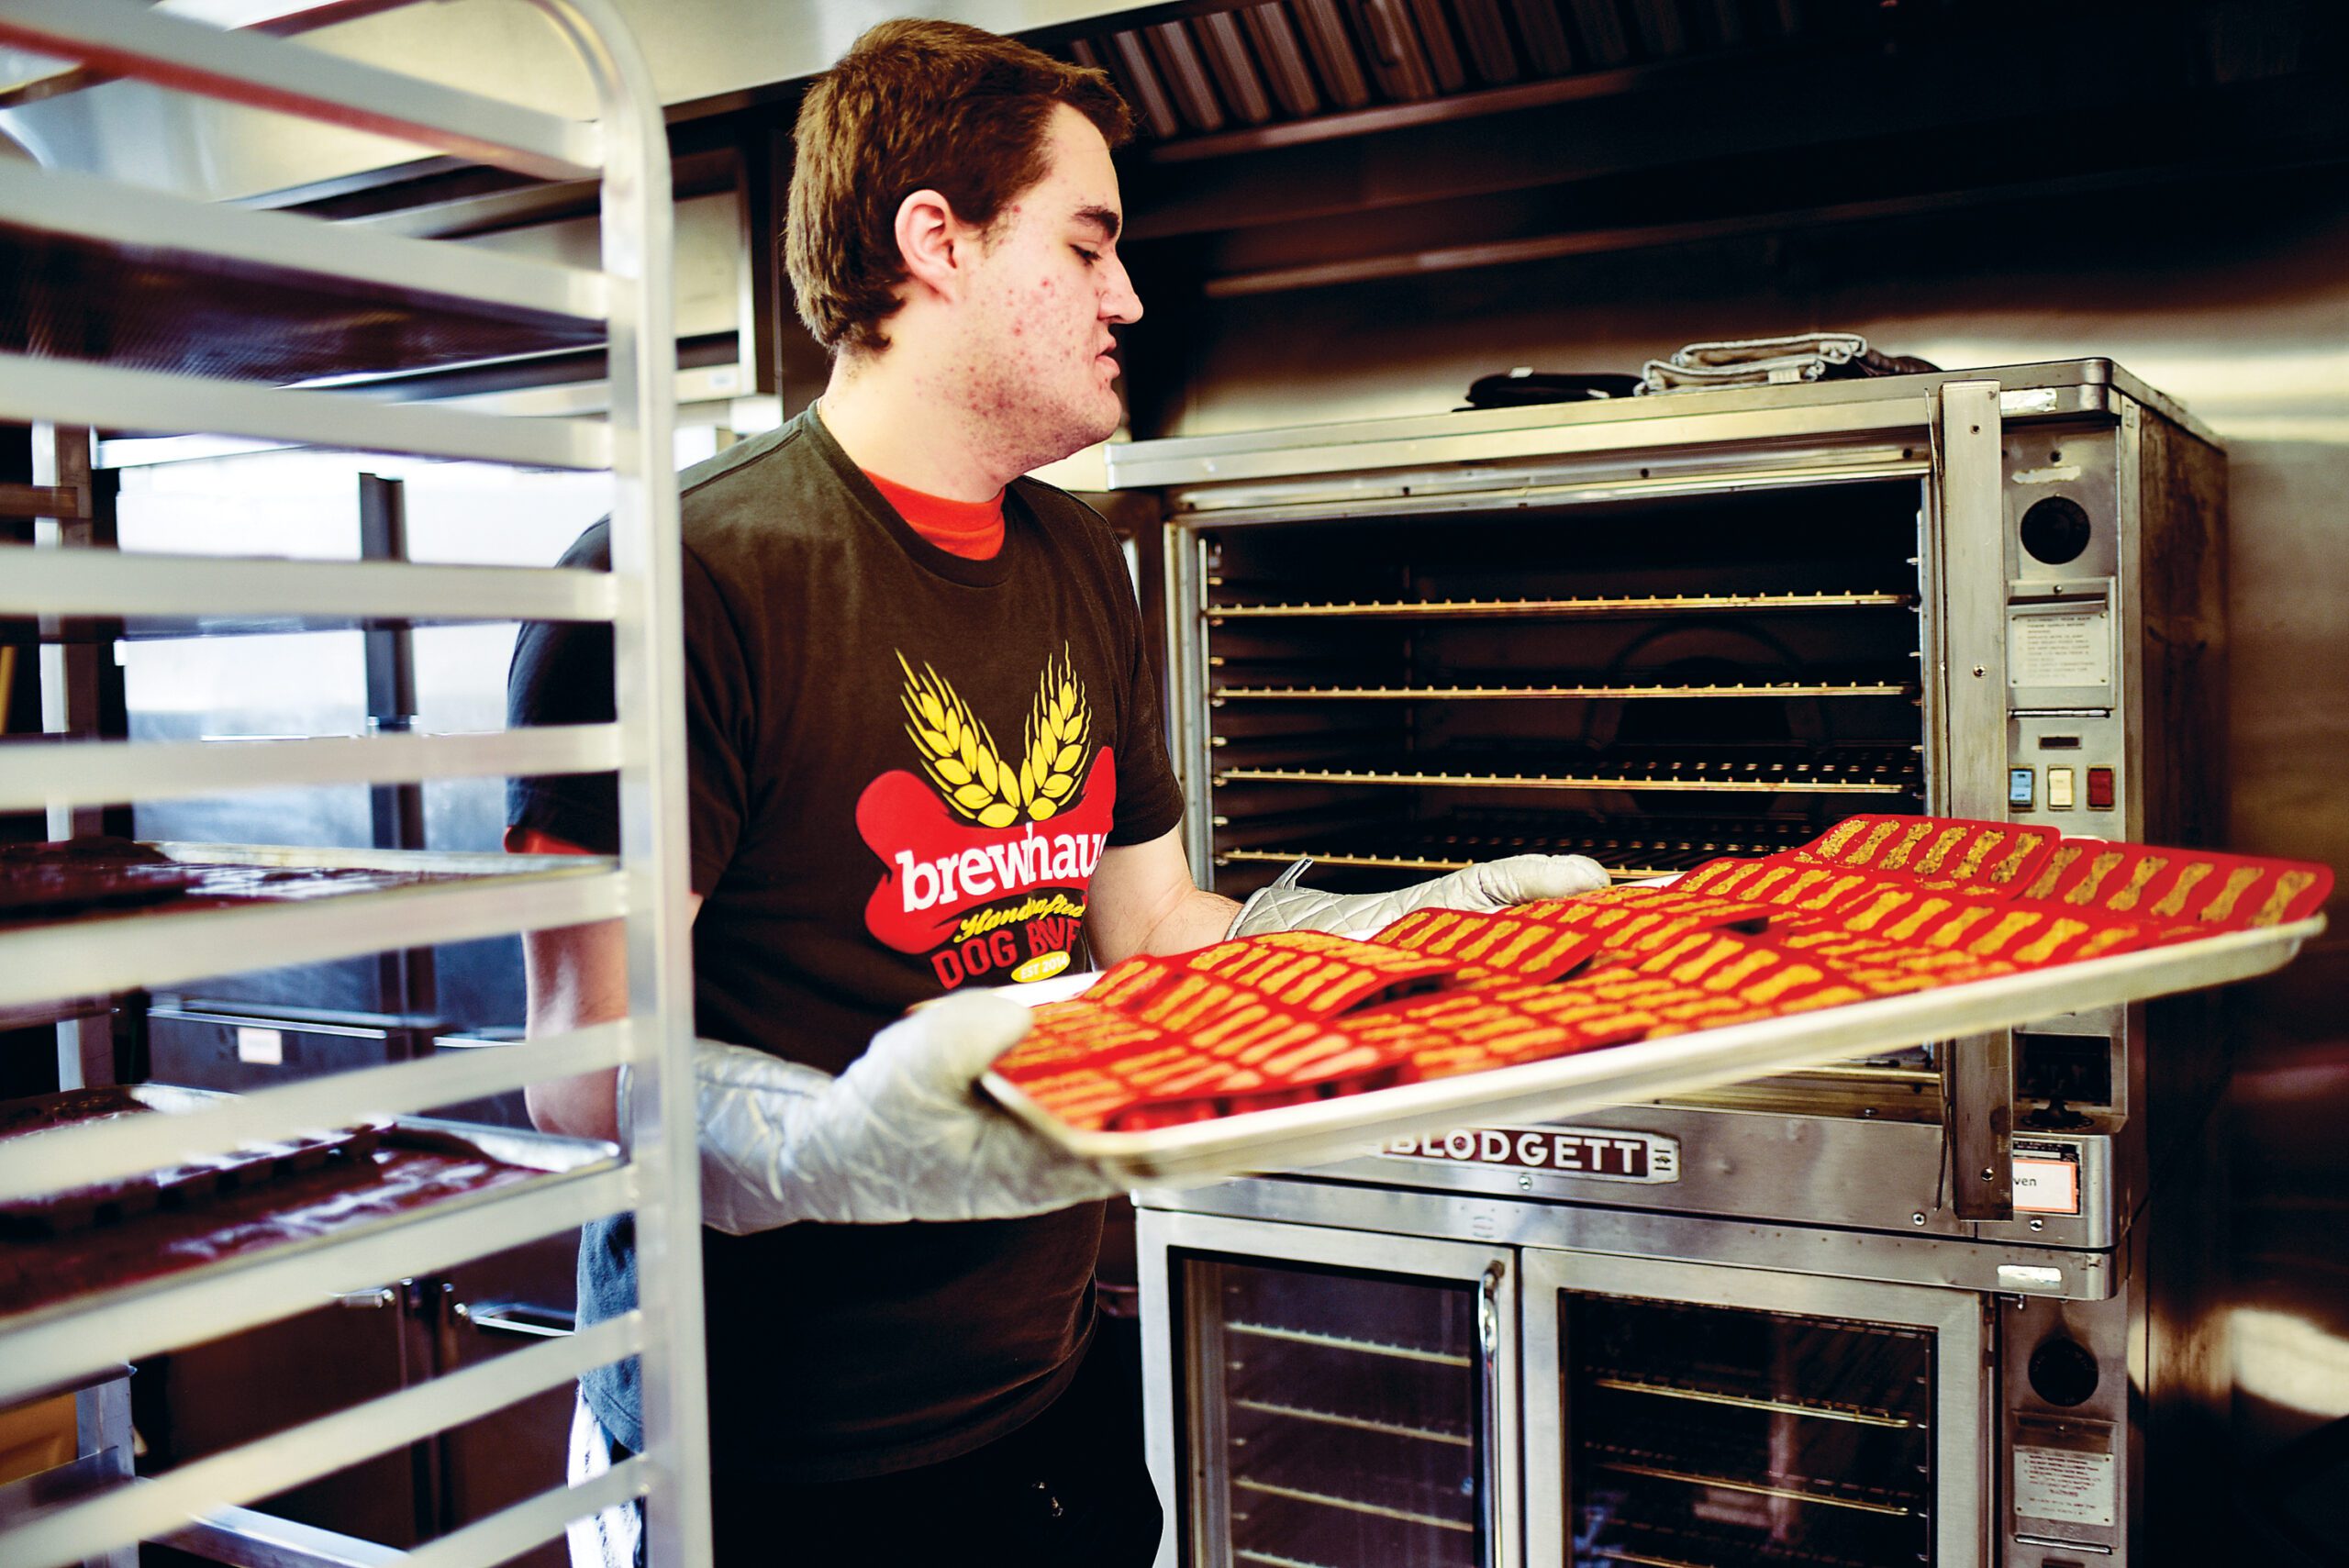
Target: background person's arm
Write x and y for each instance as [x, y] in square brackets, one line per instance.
[1142, 900]
[574, 976]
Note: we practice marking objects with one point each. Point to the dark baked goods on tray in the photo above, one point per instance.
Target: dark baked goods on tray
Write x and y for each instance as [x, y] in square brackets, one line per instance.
[405, 1172]
[75, 875]
[64, 1244]
[81, 876]
[185, 1185]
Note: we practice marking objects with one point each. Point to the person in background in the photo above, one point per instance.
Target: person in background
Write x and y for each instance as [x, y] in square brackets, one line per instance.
[926, 756]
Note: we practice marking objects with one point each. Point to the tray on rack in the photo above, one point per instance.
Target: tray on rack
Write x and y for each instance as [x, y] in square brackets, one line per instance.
[268, 1200]
[83, 878]
[134, 914]
[187, 1183]
[1143, 1080]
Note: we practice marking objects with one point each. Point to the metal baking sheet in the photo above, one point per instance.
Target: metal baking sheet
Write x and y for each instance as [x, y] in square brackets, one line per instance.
[1321, 1132]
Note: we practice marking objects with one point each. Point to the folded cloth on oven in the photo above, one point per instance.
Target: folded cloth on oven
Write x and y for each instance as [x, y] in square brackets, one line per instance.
[1283, 906]
[1765, 361]
[902, 1135]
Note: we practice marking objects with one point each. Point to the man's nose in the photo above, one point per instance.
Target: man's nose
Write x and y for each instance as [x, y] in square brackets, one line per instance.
[1119, 303]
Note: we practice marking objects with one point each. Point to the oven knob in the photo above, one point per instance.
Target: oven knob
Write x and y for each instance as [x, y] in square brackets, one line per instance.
[2056, 529]
[2063, 1373]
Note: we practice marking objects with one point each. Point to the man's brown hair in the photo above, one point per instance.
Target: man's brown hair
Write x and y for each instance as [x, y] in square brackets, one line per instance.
[916, 106]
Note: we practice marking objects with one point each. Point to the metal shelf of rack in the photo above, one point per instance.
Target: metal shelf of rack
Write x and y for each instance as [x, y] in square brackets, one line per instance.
[146, 280]
[150, 593]
[141, 311]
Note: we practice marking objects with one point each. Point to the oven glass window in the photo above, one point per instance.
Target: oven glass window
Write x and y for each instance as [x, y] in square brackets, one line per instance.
[1722, 1437]
[1334, 1420]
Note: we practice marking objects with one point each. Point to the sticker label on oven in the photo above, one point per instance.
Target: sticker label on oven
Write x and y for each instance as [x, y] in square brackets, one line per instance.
[2064, 1486]
[2047, 1176]
[1598, 1153]
[2068, 648]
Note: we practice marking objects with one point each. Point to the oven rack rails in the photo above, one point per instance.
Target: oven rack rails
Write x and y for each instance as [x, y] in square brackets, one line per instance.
[137, 310]
[1630, 852]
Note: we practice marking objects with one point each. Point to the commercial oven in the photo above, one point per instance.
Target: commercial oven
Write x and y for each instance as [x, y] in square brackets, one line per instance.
[1945, 1304]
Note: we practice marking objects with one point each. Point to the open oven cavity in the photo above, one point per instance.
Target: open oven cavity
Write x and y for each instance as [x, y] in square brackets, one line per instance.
[1652, 682]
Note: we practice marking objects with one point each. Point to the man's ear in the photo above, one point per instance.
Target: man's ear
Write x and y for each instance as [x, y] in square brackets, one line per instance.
[931, 241]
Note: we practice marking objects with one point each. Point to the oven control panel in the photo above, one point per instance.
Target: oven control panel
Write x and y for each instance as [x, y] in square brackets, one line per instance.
[2066, 666]
[2065, 768]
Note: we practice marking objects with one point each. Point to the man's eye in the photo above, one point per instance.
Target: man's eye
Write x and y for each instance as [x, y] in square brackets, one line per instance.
[1092, 258]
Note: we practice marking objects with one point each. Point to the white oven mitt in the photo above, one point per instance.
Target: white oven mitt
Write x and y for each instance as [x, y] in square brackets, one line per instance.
[902, 1135]
[1283, 906]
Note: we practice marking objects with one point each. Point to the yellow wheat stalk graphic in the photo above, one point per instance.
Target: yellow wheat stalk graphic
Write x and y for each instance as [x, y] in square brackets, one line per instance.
[1058, 727]
[959, 755]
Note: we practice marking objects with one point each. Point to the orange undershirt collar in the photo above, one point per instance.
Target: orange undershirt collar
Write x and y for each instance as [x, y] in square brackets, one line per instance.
[972, 530]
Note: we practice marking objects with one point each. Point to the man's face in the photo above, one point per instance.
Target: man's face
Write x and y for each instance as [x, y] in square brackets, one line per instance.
[1047, 286]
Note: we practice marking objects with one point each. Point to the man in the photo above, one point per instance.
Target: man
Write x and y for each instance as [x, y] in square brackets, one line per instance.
[925, 754]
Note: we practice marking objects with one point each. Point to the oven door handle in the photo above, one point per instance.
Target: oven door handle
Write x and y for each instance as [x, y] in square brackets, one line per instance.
[1489, 1369]
[517, 1317]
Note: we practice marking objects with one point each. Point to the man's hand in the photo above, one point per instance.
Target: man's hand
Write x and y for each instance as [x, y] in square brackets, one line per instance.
[1285, 906]
[902, 1135]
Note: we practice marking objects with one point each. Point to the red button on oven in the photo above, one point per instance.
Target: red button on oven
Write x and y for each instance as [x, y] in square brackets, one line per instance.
[2100, 789]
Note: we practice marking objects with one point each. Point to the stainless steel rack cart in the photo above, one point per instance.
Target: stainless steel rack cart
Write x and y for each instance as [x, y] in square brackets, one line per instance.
[136, 310]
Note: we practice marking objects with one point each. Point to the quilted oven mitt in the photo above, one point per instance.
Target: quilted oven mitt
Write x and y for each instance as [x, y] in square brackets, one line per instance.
[1283, 906]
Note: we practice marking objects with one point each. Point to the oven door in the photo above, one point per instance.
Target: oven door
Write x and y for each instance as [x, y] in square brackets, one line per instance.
[1321, 1398]
[1681, 1414]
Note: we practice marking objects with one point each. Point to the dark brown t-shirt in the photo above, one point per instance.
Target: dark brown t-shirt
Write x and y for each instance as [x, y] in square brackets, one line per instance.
[903, 766]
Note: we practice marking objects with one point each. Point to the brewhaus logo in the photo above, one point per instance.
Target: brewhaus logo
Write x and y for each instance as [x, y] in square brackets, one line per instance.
[985, 861]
